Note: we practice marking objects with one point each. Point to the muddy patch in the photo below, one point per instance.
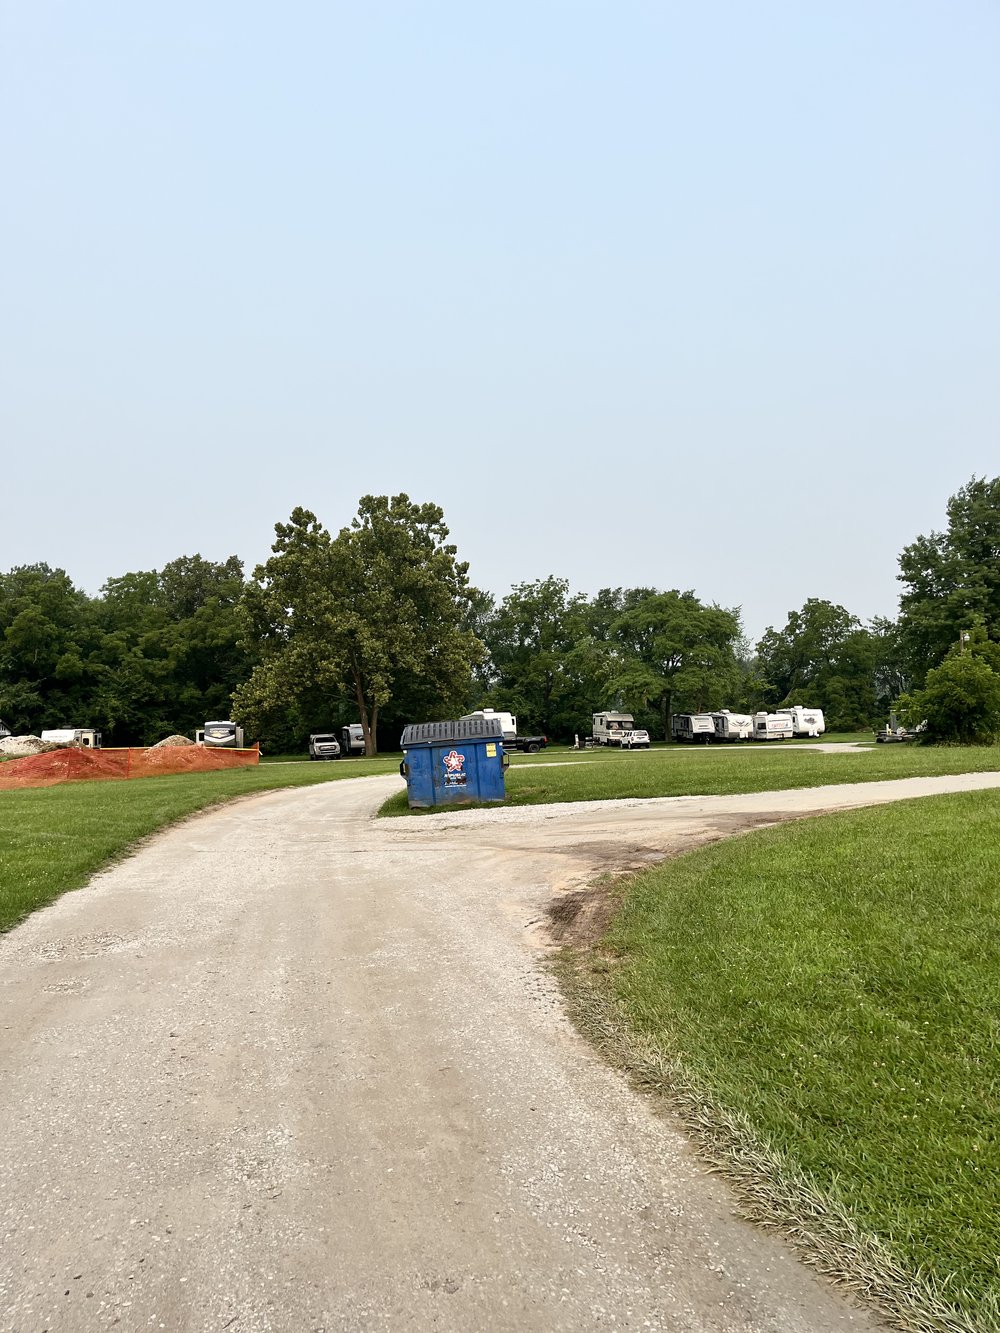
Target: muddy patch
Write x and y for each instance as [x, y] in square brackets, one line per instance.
[580, 913]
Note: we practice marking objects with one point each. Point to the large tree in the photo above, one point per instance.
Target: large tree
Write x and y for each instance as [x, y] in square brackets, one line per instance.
[48, 632]
[671, 652]
[536, 639]
[951, 579]
[171, 655]
[372, 616]
[823, 658]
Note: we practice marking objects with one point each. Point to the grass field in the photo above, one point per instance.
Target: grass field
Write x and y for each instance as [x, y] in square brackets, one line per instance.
[54, 838]
[718, 770]
[830, 991]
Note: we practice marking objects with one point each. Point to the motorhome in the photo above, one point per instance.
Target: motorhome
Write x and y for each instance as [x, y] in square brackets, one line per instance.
[86, 737]
[732, 726]
[220, 735]
[608, 727]
[695, 728]
[772, 727]
[805, 721]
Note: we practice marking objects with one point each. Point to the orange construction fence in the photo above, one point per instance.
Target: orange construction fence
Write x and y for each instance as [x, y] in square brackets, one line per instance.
[79, 765]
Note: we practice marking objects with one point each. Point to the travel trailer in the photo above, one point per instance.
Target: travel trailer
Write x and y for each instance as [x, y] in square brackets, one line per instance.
[508, 725]
[806, 721]
[220, 735]
[352, 739]
[86, 737]
[695, 728]
[732, 726]
[772, 727]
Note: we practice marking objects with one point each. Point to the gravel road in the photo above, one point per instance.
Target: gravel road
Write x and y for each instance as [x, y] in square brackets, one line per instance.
[291, 1069]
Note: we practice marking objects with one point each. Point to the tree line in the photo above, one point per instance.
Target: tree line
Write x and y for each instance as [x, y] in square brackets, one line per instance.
[379, 623]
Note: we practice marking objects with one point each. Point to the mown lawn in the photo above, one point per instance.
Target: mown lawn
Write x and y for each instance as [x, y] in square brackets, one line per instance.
[837, 983]
[54, 838]
[718, 770]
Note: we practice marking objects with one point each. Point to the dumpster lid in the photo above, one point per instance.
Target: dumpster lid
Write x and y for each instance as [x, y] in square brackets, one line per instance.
[447, 733]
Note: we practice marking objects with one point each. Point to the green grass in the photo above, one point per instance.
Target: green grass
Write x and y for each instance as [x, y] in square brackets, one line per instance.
[54, 838]
[837, 983]
[718, 770]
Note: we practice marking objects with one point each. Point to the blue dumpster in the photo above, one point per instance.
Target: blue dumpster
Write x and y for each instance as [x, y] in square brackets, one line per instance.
[453, 763]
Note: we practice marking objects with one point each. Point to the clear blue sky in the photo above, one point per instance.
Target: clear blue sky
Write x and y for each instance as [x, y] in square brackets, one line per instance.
[686, 295]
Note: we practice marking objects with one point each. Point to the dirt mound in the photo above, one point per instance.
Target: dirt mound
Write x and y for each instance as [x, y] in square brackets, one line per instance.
[20, 746]
[64, 764]
[69, 764]
[171, 740]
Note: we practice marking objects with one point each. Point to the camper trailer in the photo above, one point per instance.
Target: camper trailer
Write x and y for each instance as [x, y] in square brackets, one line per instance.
[805, 721]
[220, 736]
[772, 727]
[352, 739]
[695, 728]
[732, 726]
[508, 725]
[86, 737]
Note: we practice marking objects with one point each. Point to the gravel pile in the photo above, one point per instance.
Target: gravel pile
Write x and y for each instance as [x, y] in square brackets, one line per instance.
[18, 747]
[172, 740]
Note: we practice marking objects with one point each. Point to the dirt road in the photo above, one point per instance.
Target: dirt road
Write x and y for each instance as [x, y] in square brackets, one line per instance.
[290, 1069]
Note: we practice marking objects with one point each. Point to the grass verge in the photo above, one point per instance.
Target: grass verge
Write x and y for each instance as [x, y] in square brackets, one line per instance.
[720, 771]
[821, 1001]
[54, 838]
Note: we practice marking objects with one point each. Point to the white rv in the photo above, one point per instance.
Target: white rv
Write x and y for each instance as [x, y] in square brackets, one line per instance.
[609, 727]
[696, 728]
[805, 721]
[86, 737]
[772, 727]
[352, 739]
[732, 726]
[220, 736]
[508, 722]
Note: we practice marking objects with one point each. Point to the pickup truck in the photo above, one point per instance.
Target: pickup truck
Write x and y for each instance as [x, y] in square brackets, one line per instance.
[324, 745]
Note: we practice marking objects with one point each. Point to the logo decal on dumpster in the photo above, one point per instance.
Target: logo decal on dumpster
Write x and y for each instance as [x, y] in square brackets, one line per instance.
[454, 769]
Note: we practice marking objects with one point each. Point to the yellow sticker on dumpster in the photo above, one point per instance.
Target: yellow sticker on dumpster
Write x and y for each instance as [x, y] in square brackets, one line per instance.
[491, 751]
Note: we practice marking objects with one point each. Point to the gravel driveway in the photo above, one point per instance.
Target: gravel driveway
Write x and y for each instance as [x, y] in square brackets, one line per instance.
[292, 1069]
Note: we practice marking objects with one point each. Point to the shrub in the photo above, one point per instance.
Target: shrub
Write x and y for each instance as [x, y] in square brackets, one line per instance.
[960, 702]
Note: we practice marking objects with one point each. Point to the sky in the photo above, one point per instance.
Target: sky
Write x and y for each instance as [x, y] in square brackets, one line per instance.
[643, 294]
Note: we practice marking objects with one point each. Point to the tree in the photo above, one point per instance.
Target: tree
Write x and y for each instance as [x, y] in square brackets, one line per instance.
[533, 639]
[952, 578]
[670, 651]
[960, 701]
[370, 615]
[824, 658]
[171, 654]
[47, 632]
